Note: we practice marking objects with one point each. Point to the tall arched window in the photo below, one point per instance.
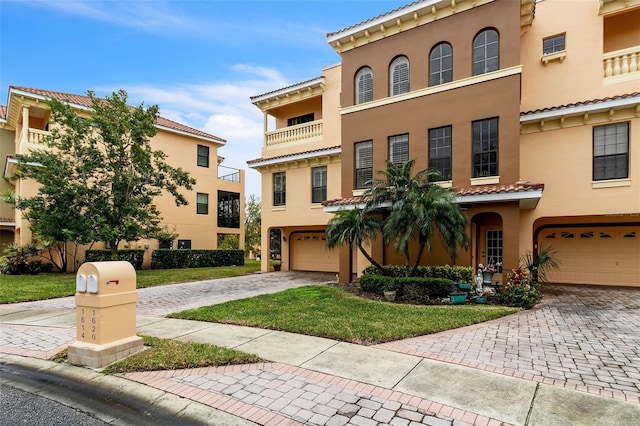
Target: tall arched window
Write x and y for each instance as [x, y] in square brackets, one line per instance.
[441, 64]
[399, 76]
[486, 52]
[364, 85]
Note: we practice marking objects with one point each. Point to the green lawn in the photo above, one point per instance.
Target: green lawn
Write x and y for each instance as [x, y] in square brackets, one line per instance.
[331, 312]
[21, 288]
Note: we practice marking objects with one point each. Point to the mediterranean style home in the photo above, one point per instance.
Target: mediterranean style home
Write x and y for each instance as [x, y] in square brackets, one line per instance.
[216, 203]
[530, 110]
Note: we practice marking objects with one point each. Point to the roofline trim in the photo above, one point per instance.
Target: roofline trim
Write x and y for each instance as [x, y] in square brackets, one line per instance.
[531, 194]
[294, 157]
[581, 109]
[288, 89]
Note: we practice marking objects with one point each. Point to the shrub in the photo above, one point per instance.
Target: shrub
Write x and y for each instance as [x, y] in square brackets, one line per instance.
[422, 289]
[373, 283]
[170, 259]
[20, 260]
[453, 273]
[520, 291]
[134, 257]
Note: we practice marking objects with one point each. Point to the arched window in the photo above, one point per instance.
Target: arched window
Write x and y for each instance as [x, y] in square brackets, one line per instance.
[486, 52]
[441, 64]
[399, 76]
[364, 85]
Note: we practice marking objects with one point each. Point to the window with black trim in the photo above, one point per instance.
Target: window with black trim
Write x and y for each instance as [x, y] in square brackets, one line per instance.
[364, 85]
[553, 44]
[363, 164]
[203, 156]
[228, 209]
[486, 52]
[399, 76]
[202, 203]
[441, 64]
[485, 147]
[306, 118]
[440, 151]
[611, 151]
[399, 148]
[318, 184]
[279, 189]
[184, 244]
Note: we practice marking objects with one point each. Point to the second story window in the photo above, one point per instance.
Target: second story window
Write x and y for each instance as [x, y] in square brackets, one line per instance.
[399, 76]
[553, 44]
[440, 151]
[611, 151]
[318, 184]
[364, 85]
[202, 203]
[399, 148]
[300, 119]
[363, 164]
[441, 64]
[228, 209]
[279, 189]
[485, 148]
[203, 156]
[486, 52]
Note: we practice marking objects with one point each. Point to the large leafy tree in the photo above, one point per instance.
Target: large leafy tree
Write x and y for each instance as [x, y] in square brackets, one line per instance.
[353, 227]
[253, 223]
[98, 174]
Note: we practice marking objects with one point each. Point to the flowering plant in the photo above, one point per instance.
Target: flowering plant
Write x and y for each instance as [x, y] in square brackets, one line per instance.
[521, 290]
[493, 268]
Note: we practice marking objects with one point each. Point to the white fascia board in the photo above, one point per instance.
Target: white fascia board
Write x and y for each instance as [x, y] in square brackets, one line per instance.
[8, 224]
[288, 89]
[190, 135]
[500, 197]
[10, 160]
[295, 157]
[382, 19]
[577, 110]
[358, 206]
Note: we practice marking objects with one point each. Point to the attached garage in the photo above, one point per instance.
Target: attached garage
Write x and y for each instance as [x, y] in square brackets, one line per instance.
[309, 252]
[598, 255]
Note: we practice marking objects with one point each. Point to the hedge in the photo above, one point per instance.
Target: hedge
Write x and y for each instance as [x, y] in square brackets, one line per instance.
[133, 256]
[409, 288]
[373, 283]
[453, 273]
[170, 259]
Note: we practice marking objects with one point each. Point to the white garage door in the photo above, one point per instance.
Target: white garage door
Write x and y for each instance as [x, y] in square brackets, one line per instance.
[605, 255]
[309, 252]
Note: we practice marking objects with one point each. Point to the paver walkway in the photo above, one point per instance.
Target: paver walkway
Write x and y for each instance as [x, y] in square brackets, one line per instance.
[584, 338]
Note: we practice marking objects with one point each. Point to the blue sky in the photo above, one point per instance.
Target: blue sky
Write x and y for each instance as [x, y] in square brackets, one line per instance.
[200, 61]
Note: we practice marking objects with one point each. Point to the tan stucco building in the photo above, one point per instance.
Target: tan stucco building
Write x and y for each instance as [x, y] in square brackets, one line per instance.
[216, 203]
[530, 111]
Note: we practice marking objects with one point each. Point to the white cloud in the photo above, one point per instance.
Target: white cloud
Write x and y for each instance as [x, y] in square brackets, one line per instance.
[222, 108]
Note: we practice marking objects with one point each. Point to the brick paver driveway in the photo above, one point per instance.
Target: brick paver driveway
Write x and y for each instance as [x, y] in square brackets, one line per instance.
[580, 337]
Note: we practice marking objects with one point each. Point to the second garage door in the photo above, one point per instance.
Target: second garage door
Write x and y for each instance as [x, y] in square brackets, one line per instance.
[309, 252]
[607, 255]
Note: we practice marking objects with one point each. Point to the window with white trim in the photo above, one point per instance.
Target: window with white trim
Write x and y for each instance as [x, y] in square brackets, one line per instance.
[553, 44]
[318, 184]
[611, 151]
[494, 248]
[486, 52]
[441, 64]
[279, 189]
[485, 148]
[364, 85]
[399, 148]
[399, 76]
[363, 164]
[440, 151]
[202, 203]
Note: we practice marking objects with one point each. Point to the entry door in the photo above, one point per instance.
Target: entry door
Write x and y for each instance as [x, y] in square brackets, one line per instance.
[492, 249]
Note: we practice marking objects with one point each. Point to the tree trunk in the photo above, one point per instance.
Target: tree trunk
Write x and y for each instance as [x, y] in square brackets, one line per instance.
[369, 258]
[419, 258]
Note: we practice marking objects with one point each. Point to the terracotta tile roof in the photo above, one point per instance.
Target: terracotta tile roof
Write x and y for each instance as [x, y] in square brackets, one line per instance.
[278, 157]
[283, 89]
[374, 18]
[583, 103]
[520, 186]
[3, 112]
[85, 101]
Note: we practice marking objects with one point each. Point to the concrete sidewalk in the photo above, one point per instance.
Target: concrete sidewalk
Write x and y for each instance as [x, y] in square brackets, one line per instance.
[311, 380]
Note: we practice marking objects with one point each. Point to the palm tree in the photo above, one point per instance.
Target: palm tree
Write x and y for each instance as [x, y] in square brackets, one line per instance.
[353, 227]
[417, 207]
[541, 264]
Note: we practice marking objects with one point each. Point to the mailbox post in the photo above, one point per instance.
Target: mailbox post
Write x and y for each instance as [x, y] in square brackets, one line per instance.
[106, 299]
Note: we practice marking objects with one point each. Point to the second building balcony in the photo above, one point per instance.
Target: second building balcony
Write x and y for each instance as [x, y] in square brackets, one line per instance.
[293, 135]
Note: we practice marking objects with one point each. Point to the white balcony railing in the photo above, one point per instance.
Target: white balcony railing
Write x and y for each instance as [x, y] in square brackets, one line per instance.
[31, 139]
[621, 62]
[300, 133]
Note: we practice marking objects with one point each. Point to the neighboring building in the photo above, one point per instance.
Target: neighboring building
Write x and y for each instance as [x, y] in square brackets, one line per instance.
[216, 203]
[531, 112]
[300, 167]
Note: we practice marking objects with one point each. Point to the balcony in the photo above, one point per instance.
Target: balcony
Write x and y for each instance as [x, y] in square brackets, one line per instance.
[622, 64]
[31, 139]
[293, 135]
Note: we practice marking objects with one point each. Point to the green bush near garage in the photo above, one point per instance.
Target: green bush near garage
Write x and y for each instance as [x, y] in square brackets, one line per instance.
[172, 259]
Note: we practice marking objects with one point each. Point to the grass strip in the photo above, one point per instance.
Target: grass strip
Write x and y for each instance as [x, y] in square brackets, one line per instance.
[328, 311]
